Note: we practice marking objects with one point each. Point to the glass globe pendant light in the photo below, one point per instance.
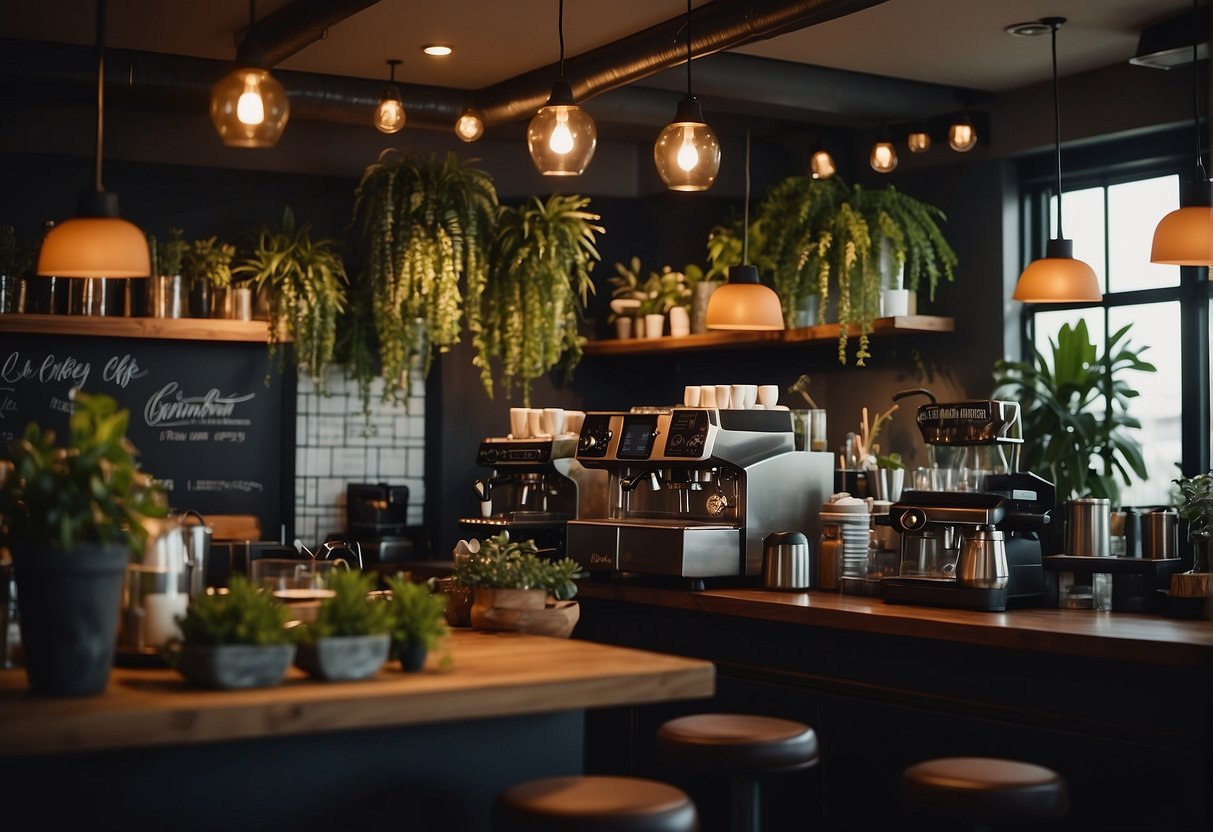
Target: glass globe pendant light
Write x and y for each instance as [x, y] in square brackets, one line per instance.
[96, 242]
[961, 136]
[389, 114]
[821, 164]
[883, 157]
[687, 152]
[469, 126]
[249, 108]
[918, 141]
[562, 136]
[1057, 277]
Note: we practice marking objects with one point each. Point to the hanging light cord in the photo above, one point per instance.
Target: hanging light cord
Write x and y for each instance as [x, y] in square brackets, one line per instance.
[745, 222]
[1200, 159]
[560, 25]
[100, 91]
[1057, 128]
[689, 46]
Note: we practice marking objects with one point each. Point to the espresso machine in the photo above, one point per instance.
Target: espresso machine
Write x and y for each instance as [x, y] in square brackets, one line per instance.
[533, 489]
[692, 492]
[972, 527]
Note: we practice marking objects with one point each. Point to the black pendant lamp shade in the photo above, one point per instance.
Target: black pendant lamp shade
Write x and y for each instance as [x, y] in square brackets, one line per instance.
[562, 136]
[687, 152]
[1058, 277]
[96, 242]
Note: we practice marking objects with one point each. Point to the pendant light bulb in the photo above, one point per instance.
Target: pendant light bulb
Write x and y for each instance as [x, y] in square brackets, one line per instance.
[962, 137]
[883, 158]
[561, 137]
[687, 152]
[469, 127]
[821, 164]
[249, 108]
[1058, 277]
[389, 114]
[918, 141]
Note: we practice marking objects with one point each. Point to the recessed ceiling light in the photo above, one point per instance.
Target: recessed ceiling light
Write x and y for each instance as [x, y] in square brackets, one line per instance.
[1030, 29]
[438, 49]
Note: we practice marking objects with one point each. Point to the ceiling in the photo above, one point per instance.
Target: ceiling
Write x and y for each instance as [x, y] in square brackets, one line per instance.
[954, 43]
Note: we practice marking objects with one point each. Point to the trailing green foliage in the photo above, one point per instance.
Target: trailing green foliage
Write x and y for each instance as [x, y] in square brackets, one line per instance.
[210, 260]
[351, 610]
[306, 280]
[245, 614]
[89, 491]
[17, 255]
[428, 223]
[537, 291]
[911, 229]
[1076, 413]
[418, 613]
[502, 563]
[1196, 501]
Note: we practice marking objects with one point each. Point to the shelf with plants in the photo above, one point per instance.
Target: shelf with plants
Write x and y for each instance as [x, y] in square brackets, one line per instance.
[184, 329]
[881, 327]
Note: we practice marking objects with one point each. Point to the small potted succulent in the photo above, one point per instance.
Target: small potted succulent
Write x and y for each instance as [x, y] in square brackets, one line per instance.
[418, 621]
[236, 638]
[351, 635]
[516, 589]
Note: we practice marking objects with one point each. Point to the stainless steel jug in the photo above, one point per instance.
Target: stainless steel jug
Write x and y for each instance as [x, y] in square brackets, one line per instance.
[1089, 527]
[983, 559]
[785, 561]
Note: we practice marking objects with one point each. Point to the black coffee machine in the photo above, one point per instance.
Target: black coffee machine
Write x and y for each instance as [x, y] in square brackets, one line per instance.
[972, 490]
[376, 521]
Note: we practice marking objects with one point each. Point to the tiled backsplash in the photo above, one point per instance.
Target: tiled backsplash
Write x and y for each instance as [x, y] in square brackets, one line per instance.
[334, 446]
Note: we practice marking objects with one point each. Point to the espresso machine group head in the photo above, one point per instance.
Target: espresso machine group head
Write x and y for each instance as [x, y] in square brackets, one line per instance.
[692, 492]
[533, 488]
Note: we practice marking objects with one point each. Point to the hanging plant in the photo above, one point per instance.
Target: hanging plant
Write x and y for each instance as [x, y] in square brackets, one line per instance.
[911, 230]
[306, 281]
[537, 293]
[428, 222]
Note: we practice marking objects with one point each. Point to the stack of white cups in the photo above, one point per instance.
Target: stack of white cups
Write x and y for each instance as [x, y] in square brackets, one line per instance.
[544, 422]
[733, 396]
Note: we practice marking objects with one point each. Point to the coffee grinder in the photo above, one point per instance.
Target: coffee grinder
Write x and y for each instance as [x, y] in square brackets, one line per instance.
[534, 488]
[973, 525]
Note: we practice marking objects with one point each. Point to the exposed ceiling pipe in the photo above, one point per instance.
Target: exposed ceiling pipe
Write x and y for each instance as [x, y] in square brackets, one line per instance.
[298, 24]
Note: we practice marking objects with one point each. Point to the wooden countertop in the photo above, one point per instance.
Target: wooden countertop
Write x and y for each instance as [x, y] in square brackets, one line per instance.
[489, 675]
[1130, 637]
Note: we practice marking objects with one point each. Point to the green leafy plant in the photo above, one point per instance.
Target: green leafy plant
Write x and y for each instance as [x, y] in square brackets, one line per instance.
[168, 256]
[88, 491]
[891, 461]
[1195, 502]
[306, 280]
[418, 613]
[17, 255]
[1076, 412]
[244, 614]
[911, 230]
[660, 291]
[210, 260]
[351, 610]
[428, 223]
[537, 292]
[502, 563]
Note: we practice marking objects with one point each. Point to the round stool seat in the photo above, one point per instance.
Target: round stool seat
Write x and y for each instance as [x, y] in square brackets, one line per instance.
[594, 804]
[739, 743]
[985, 790]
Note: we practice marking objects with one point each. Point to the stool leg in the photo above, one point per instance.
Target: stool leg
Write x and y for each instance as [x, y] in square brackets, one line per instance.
[747, 804]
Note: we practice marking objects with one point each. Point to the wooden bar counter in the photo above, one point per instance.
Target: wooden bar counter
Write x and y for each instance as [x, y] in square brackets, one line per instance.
[1120, 703]
[407, 750]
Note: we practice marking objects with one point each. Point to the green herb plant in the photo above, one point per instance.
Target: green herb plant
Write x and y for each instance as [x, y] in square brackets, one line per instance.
[351, 610]
[244, 614]
[537, 292]
[502, 563]
[306, 280]
[1076, 412]
[87, 491]
[168, 256]
[210, 260]
[418, 613]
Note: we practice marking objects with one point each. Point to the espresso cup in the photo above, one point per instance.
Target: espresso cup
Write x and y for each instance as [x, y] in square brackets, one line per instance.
[707, 395]
[573, 420]
[724, 396]
[690, 395]
[737, 396]
[519, 422]
[553, 420]
[768, 395]
[534, 420]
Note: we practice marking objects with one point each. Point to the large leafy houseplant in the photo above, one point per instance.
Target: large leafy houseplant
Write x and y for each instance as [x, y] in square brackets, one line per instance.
[428, 223]
[1076, 412]
[537, 292]
[306, 280]
[72, 516]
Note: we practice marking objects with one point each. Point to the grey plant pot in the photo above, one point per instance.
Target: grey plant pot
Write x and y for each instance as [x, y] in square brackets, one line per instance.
[228, 666]
[344, 658]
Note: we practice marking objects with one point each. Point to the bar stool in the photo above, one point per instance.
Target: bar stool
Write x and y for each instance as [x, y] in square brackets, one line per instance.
[590, 803]
[984, 792]
[742, 747]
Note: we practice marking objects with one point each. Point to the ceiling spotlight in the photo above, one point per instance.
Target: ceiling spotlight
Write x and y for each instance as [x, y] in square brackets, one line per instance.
[562, 136]
[437, 50]
[1028, 29]
[821, 164]
[919, 141]
[687, 152]
[389, 115]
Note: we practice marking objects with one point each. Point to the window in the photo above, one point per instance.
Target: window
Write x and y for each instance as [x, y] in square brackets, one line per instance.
[1110, 210]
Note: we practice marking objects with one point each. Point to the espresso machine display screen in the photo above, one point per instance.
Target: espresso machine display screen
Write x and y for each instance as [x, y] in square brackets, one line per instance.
[637, 439]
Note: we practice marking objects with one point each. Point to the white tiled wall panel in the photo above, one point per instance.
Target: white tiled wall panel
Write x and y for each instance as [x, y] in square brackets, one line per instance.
[335, 446]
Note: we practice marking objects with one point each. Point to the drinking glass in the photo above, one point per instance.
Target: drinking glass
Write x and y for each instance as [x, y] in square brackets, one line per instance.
[817, 430]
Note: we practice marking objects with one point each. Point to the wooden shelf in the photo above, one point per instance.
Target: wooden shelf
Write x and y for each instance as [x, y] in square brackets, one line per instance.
[882, 327]
[184, 329]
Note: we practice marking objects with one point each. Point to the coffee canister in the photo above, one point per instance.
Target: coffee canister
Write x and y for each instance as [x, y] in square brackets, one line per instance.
[785, 561]
[1160, 533]
[1089, 527]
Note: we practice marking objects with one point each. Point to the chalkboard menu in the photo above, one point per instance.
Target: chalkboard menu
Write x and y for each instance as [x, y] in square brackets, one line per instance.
[212, 420]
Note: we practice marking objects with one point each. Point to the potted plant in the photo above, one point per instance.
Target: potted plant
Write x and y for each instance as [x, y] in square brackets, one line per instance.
[236, 638]
[537, 291]
[166, 291]
[72, 516]
[208, 262]
[351, 635]
[1195, 505]
[428, 223]
[625, 297]
[418, 621]
[1068, 429]
[516, 589]
[17, 257]
[305, 280]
